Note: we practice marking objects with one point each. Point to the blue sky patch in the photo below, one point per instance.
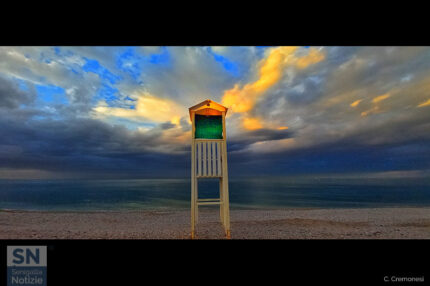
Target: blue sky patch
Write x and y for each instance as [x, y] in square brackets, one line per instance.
[51, 94]
[107, 93]
[95, 67]
[130, 62]
[129, 98]
[162, 58]
[229, 66]
[133, 63]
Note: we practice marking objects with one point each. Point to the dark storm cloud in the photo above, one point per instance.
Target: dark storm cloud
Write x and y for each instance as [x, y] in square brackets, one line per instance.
[184, 124]
[343, 156]
[11, 96]
[167, 125]
[398, 144]
[78, 145]
[239, 142]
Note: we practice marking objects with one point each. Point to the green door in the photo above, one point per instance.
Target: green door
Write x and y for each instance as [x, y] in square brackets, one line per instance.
[208, 127]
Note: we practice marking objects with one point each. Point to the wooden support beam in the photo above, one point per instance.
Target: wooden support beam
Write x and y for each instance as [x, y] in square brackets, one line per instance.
[208, 200]
[221, 210]
[208, 177]
[214, 173]
[196, 197]
[204, 158]
[208, 203]
[218, 147]
[226, 205]
[199, 158]
[193, 179]
[209, 159]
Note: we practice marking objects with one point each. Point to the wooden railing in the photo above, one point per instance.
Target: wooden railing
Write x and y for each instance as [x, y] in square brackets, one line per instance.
[209, 158]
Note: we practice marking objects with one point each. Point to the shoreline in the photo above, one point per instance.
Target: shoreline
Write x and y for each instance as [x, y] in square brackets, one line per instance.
[285, 223]
[245, 208]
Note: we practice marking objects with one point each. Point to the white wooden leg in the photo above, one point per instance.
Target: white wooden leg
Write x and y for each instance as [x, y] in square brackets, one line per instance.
[221, 209]
[226, 207]
[196, 188]
[226, 204]
[227, 211]
[193, 191]
[193, 212]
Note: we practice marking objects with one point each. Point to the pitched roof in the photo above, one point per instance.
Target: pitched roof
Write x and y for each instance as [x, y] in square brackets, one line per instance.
[207, 104]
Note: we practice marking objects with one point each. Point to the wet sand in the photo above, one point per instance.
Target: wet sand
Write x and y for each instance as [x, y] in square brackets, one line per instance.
[371, 223]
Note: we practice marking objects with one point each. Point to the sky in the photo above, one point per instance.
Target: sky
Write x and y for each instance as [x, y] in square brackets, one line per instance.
[122, 112]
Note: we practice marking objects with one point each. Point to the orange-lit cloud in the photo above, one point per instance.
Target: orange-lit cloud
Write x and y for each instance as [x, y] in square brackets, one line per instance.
[148, 108]
[376, 108]
[425, 103]
[313, 57]
[252, 123]
[355, 103]
[270, 71]
[380, 98]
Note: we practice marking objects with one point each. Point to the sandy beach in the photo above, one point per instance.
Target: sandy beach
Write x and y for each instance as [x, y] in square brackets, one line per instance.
[371, 223]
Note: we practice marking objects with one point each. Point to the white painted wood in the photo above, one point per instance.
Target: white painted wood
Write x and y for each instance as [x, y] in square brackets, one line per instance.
[208, 177]
[193, 180]
[208, 203]
[221, 207]
[204, 159]
[214, 172]
[207, 200]
[218, 144]
[226, 204]
[196, 198]
[199, 158]
[224, 132]
[209, 158]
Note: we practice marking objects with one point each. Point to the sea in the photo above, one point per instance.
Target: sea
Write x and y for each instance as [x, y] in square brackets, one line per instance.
[245, 193]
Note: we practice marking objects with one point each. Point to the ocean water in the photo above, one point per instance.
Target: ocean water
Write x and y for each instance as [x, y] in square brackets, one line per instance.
[249, 193]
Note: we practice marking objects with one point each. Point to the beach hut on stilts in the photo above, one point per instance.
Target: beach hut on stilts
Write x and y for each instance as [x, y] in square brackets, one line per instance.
[209, 159]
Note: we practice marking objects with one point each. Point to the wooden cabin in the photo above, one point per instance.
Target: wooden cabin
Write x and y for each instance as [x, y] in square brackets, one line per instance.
[209, 158]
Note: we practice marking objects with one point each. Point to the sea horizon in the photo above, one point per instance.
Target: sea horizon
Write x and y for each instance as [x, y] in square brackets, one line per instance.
[263, 192]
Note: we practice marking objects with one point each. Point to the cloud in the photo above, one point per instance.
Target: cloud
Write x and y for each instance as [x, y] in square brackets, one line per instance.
[12, 97]
[291, 109]
[380, 98]
[252, 123]
[355, 103]
[85, 146]
[324, 114]
[148, 108]
[425, 103]
[242, 141]
[376, 106]
[270, 71]
[192, 76]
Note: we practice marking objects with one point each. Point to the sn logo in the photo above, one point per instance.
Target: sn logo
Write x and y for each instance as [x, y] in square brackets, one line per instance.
[26, 255]
[19, 258]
